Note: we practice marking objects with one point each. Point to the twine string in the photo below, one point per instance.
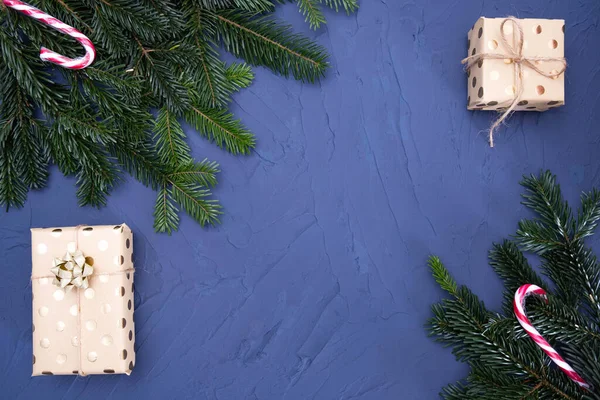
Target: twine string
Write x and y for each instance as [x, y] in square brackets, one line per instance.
[515, 55]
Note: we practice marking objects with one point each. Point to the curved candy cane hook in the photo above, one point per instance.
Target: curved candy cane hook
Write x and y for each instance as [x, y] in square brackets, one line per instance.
[49, 55]
[519, 304]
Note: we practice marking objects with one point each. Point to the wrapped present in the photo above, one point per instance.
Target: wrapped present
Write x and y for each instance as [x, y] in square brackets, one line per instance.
[82, 292]
[515, 65]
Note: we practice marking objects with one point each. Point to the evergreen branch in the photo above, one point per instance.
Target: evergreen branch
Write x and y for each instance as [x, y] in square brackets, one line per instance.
[193, 200]
[588, 217]
[247, 5]
[543, 195]
[349, 5]
[13, 191]
[169, 136]
[203, 173]
[158, 55]
[263, 41]
[239, 76]
[140, 159]
[222, 128]
[30, 140]
[165, 212]
[442, 276]
[312, 13]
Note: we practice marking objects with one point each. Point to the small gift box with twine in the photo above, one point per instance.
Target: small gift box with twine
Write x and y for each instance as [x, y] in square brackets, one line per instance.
[515, 65]
[82, 292]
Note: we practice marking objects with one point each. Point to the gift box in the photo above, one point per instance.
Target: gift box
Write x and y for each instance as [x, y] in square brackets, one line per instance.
[496, 44]
[82, 293]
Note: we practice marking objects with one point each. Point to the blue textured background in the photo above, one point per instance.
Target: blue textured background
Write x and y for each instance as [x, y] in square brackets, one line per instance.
[315, 284]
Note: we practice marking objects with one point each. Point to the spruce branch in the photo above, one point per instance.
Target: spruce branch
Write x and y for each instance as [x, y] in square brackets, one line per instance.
[264, 41]
[151, 55]
[221, 127]
[169, 136]
[349, 5]
[505, 362]
[312, 13]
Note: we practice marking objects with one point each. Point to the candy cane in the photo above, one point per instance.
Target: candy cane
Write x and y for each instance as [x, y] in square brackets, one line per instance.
[49, 55]
[518, 304]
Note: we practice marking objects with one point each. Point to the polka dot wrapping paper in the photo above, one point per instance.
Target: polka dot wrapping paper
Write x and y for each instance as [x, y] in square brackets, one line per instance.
[84, 331]
[492, 83]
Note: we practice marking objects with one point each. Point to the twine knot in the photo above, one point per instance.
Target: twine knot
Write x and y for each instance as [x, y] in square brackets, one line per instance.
[515, 55]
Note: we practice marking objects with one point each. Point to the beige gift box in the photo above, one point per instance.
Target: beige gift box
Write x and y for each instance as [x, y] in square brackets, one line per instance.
[83, 331]
[492, 82]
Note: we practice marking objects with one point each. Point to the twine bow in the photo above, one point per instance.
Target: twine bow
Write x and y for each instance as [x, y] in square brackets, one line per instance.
[73, 270]
[515, 55]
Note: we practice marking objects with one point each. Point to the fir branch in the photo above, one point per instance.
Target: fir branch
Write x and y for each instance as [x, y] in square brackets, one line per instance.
[165, 211]
[222, 128]
[349, 5]
[203, 173]
[239, 76]
[588, 217]
[13, 191]
[169, 136]
[194, 201]
[263, 41]
[312, 13]
[158, 55]
[505, 363]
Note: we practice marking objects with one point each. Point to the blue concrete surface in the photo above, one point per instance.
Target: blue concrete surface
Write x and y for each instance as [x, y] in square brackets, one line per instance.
[315, 284]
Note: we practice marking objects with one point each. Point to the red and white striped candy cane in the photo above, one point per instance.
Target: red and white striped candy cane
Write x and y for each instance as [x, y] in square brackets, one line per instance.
[49, 55]
[518, 305]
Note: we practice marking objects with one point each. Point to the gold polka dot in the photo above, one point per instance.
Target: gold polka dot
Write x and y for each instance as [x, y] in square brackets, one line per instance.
[128, 243]
[61, 358]
[75, 341]
[508, 61]
[493, 45]
[89, 293]
[45, 343]
[129, 305]
[60, 326]
[508, 28]
[131, 365]
[56, 232]
[553, 44]
[480, 92]
[494, 75]
[88, 231]
[43, 311]
[130, 335]
[123, 354]
[554, 72]
[510, 90]
[537, 29]
[44, 281]
[106, 308]
[103, 278]
[122, 323]
[92, 356]
[540, 90]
